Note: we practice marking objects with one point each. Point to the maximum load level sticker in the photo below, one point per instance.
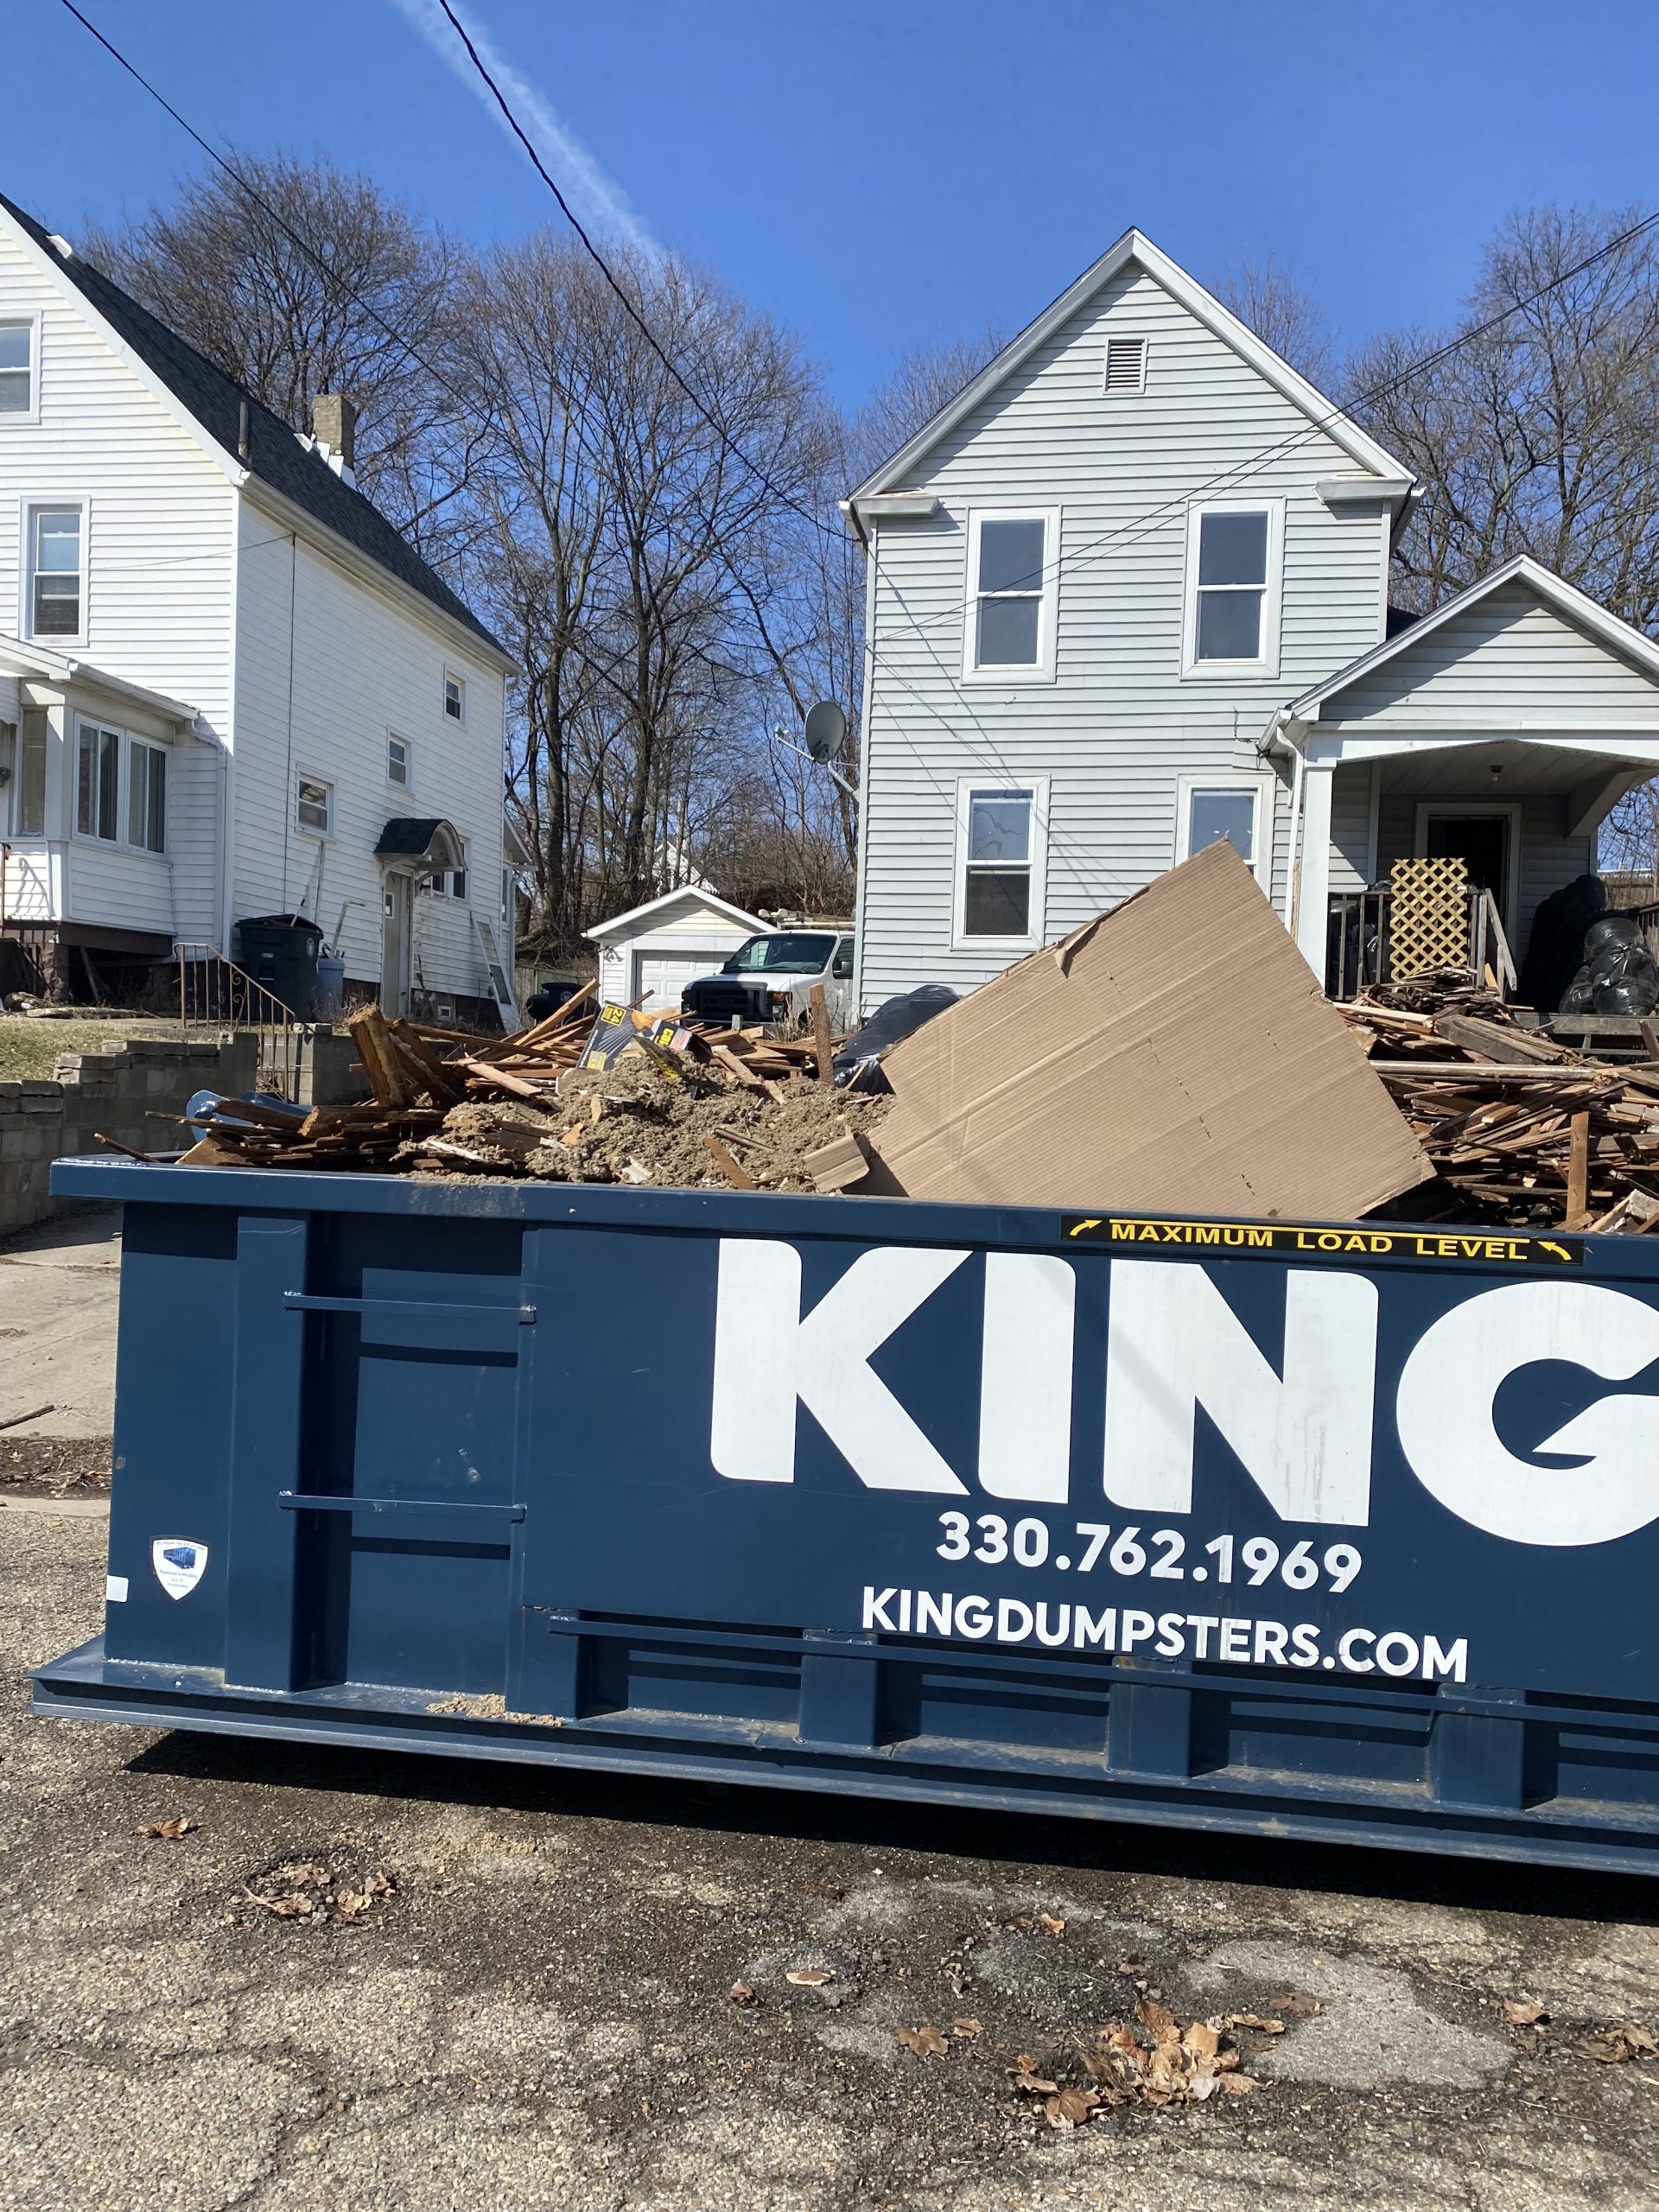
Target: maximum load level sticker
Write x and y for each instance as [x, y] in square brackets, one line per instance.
[1363, 1241]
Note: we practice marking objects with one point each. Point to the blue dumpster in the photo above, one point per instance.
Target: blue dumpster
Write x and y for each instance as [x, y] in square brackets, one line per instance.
[1344, 1531]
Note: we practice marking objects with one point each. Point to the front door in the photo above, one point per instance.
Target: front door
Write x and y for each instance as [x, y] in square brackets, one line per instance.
[1481, 841]
[394, 944]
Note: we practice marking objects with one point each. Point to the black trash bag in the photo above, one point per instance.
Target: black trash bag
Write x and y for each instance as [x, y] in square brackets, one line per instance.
[1609, 933]
[857, 1064]
[1625, 979]
[1579, 996]
[1556, 944]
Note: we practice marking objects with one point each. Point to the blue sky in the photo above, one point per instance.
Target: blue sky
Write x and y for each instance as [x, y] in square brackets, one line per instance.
[880, 174]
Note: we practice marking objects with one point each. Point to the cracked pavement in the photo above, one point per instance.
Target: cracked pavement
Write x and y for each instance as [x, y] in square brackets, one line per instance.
[537, 2015]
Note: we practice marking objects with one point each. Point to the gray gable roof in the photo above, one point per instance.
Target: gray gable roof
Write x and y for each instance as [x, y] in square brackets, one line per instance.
[274, 455]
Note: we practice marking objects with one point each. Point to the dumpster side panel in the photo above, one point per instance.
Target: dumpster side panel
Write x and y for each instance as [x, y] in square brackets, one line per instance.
[1297, 1530]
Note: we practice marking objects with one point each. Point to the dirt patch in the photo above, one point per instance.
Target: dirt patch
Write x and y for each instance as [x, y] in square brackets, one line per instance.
[59, 1467]
[633, 1123]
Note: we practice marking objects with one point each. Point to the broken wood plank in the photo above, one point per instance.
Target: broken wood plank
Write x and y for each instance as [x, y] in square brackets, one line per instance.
[739, 1177]
[821, 1045]
[1578, 1174]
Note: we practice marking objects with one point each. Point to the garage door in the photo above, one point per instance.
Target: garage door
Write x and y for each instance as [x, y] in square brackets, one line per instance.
[666, 975]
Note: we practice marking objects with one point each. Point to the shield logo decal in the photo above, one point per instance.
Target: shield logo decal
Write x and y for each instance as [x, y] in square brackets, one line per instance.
[180, 1564]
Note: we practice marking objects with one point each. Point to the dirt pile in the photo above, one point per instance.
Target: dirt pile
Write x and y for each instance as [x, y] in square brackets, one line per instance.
[634, 1122]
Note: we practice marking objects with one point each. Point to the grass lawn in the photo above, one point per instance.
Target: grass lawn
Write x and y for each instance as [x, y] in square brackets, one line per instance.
[29, 1048]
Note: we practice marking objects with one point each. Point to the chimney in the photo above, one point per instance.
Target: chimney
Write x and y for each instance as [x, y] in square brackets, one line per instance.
[334, 425]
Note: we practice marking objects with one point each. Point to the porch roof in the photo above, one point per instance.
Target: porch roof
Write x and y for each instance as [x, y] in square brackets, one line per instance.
[1540, 656]
[61, 671]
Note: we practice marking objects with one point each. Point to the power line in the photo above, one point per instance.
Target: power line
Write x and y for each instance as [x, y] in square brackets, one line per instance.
[310, 252]
[622, 292]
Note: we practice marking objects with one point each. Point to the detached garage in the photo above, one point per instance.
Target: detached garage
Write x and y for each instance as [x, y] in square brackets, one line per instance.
[653, 951]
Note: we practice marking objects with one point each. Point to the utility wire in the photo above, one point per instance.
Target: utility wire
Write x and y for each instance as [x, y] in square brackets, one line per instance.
[261, 202]
[622, 293]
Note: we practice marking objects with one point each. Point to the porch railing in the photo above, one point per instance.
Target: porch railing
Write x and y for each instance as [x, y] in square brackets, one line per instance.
[216, 993]
[1358, 942]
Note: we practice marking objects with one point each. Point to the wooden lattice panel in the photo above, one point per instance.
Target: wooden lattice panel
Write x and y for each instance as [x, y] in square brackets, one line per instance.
[1428, 916]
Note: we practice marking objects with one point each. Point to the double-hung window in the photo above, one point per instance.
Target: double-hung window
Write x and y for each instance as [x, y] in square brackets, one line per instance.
[1233, 809]
[1234, 564]
[29, 813]
[98, 783]
[1002, 839]
[397, 768]
[1013, 573]
[455, 697]
[18, 373]
[147, 796]
[313, 805]
[56, 577]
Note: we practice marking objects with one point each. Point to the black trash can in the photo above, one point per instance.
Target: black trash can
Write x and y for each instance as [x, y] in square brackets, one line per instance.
[280, 952]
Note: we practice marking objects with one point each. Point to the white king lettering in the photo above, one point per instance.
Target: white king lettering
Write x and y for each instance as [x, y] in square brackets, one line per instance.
[1300, 1417]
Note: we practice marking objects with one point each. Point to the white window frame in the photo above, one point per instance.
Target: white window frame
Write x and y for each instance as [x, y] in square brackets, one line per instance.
[1003, 673]
[82, 724]
[968, 789]
[1266, 664]
[31, 414]
[1429, 809]
[136, 743]
[406, 783]
[464, 872]
[307, 828]
[58, 640]
[460, 682]
[1124, 390]
[1262, 786]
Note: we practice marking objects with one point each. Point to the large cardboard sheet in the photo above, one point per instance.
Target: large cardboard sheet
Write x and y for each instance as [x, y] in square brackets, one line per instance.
[1175, 1055]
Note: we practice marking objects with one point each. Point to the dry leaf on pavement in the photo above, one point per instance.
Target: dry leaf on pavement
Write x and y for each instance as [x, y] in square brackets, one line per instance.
[809, 1977]
[1237, 2085]
[1027, 2077]
[1263, 2027]
[1159, 2020]
[170, 1831]
[1050, 1925]
[292, 1906]
[966, 2030]
[1295, 2004]
[740, 1994]
[926, 2042]
[1523, 2011]
[1070, 2108]
[1614, 2045]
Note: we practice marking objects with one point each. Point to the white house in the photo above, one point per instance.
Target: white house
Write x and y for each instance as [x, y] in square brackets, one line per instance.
[1127, 592]
[228, 688]
[653, 951]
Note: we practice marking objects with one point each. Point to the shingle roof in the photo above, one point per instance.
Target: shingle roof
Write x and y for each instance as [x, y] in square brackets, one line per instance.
[274, 455]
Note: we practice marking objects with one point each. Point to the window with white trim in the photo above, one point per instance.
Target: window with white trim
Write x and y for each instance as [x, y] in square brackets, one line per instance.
[1234, 566]
[146, 796]
[1237, 809]
[18, 372]
[1002, 839]
[451, 883]
[29, 814]
[56, 576]
[455, 697]
[398, 764]
[314, 806]
[98, 783]
[1126, 364]
[1012, 582]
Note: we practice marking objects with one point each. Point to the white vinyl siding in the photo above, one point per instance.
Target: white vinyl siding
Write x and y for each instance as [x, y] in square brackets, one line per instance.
[159, 574]
[1511, 659]
[1118, 724]
[362, 665]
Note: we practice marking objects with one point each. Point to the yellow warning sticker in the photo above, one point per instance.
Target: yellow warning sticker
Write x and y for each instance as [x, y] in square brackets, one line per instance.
[1361, 1240]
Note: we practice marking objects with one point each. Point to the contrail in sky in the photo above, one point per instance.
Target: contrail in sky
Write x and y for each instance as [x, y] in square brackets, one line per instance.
[601, 204]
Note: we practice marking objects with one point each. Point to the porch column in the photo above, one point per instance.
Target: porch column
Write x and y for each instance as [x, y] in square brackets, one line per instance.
[1313, 865]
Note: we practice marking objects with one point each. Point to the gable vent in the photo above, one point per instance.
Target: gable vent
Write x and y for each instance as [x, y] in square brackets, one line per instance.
[1126, 364]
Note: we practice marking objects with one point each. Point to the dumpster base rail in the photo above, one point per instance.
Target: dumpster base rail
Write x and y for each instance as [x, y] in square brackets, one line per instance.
[1593, 1835]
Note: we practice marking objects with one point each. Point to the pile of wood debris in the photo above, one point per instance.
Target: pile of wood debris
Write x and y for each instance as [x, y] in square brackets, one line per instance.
[1521, 1130]
[616, 1098]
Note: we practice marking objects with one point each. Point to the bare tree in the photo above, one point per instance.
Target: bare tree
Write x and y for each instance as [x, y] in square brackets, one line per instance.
[922, 381]
[364, 311]
[1268, 300]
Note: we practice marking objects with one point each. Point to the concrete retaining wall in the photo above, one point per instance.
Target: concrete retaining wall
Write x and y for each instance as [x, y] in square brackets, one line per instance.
[135, 1094]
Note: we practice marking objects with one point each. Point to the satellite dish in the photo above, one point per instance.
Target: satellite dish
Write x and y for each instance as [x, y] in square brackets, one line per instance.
[826, 728]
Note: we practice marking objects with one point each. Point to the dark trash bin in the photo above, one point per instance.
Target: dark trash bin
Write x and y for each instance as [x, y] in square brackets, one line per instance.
[281, 951]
